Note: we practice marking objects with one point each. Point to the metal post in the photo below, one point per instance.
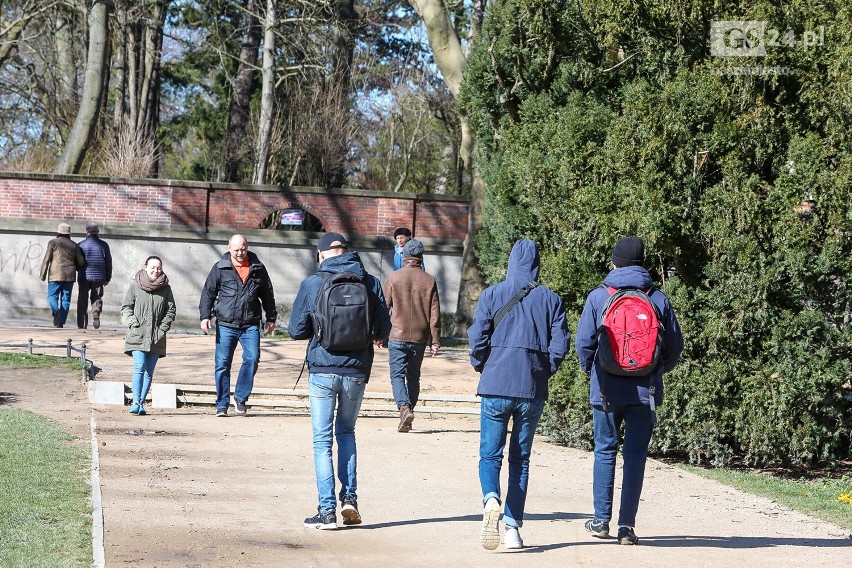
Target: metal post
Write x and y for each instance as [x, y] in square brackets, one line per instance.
[68, 350]
[30, 346]
[83, 362]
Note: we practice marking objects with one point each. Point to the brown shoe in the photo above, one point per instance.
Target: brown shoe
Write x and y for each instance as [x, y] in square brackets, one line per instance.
[406, 417]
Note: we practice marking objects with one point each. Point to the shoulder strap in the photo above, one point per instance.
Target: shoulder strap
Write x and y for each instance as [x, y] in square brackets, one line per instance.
[501, 313]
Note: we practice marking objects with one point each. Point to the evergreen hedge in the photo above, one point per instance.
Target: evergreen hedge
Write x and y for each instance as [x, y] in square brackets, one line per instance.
[601, 119]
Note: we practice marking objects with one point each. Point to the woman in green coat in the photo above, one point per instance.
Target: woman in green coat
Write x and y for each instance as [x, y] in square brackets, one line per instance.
[148, 312]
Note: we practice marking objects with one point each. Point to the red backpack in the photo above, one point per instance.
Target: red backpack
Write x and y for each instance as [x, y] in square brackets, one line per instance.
[630, 336]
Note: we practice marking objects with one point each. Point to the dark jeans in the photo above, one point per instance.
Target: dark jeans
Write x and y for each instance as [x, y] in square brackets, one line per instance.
[89, 291]
[638, 423]
[405, 359]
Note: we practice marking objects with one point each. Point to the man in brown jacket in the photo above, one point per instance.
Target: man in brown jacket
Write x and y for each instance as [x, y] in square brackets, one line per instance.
[412, 296]
[62, 259]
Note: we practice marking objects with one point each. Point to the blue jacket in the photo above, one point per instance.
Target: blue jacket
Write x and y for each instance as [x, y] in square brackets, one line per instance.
[98, 261]
[626, 390]
[397, 258]
[518, 357]
[354, 363]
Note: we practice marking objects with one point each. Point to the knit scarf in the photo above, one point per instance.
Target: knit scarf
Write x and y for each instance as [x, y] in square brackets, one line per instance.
[144, 281]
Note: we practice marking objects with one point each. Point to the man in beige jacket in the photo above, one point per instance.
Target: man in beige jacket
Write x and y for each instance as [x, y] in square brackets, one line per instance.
[62, 259]
[412, 296]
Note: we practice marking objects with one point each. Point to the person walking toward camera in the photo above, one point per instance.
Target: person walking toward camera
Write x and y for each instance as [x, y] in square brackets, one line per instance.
[412, 297]
[148, 311]
[518, 340]
[237, 292]
[91, 281]
[62, 259]
[342, 310]
[401, 236]
[628, 336]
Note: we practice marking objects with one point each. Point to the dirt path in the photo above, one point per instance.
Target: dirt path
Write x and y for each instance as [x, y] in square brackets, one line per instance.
[183, 488]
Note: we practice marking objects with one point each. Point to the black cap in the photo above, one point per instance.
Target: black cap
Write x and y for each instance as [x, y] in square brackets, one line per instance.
[629, 251]
[331, 241]
[402, 231]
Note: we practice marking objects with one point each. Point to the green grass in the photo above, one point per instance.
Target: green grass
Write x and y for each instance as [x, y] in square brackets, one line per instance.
[45, 509]
[820, 498]
[25, 361]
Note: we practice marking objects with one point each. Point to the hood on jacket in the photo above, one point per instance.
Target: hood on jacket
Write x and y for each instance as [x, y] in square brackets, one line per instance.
[347, 261]
[524, 262]
[629, 277]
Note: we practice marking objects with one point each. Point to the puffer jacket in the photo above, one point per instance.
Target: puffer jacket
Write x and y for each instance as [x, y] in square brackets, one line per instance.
[519, 356]
[356, 363]
[626, 390]
[412, 296]
[62, 259]
[98, 260]
[148, 316]
[233, 303]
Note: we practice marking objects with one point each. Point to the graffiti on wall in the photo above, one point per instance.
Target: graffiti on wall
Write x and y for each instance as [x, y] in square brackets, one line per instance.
[27, 258]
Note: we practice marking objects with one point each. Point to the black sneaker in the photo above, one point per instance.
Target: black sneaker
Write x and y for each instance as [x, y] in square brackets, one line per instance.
[350, 513]
[598, 528]
[323, 520]
[627, 536]
[222, 412]
[240, 406]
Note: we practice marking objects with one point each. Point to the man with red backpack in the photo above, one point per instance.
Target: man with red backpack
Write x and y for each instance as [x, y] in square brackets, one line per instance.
[628, 336]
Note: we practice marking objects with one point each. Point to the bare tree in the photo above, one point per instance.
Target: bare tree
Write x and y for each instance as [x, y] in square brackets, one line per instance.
[81, 136]
[267, 97]
[451, 60]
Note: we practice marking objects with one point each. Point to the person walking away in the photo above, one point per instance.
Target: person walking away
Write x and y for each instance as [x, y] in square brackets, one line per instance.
[62, 259]
[148, 311]
[237, 292]
[337, 377]
[619, 399]
[415, 312]
[401, 236]
[91, 281]
[518, 340]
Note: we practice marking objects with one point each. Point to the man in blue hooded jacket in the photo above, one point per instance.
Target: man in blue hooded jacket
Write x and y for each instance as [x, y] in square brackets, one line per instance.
[336, 382]
[516, 358]
[618, 400]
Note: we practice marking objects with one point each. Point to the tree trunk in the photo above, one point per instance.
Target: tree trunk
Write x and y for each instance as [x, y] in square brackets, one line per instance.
[66, 70]
[450, 59]
[238, 112]
[267, 97]
[80, 137]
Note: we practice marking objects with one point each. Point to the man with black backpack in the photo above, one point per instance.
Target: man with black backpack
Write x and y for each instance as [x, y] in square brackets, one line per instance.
[628, 336]
[342, 310]
[518, 340]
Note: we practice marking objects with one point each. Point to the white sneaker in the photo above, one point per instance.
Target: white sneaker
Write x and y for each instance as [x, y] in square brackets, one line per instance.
[512, 538]
[489, 536]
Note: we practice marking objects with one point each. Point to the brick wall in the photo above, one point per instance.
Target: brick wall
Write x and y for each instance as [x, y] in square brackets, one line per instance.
[176, 204]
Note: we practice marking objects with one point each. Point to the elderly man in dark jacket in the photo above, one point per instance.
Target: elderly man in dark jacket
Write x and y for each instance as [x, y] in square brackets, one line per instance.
[237, 287]
[516, 357]
[627, 400]
[336, 382]
[92, 280]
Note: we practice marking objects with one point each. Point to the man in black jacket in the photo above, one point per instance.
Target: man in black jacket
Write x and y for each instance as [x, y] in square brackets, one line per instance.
[92, 280]
[236, 289]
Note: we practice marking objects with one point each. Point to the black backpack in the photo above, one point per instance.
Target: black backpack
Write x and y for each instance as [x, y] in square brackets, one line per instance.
[343, 316]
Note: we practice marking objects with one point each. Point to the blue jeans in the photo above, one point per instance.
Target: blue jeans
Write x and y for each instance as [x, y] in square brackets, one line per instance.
[325, 392]
[226, 343]
[495, 412]
[638, 423]
[59, 298]
[143, 371]
[405, 359]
